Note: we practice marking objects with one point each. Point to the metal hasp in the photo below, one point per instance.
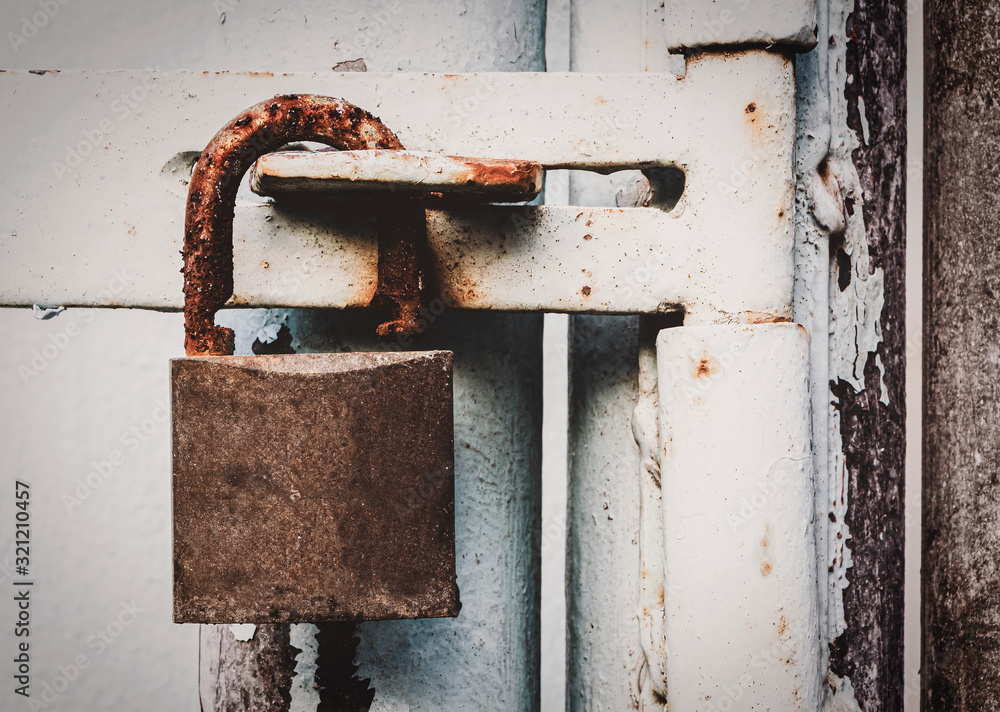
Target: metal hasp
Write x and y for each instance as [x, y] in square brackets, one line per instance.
[726, 246]
[311, 487]
[355, 173]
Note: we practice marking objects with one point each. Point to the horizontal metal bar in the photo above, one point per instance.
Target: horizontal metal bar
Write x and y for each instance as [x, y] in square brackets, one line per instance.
[329, 172]
[103, 225]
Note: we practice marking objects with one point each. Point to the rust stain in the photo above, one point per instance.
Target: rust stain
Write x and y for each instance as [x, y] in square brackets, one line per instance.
[522, 177]
[754, 317]
[704, 367]
[751, 108]
[585, 291]
[208, 226]
[782, 626]
[765, 541]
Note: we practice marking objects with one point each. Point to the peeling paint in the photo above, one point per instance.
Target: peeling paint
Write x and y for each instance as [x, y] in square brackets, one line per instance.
[838, 296]
[883, 391]
[856, 329]
[305, 695]
[856, 310]
[243, 632]
[841, 697]
[838, 538]
[43, 313]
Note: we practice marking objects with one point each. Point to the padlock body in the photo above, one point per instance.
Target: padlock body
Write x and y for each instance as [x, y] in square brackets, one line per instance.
[313, 487]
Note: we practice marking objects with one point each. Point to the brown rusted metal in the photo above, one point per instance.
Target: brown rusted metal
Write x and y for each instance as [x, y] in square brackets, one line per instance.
[208, 228]
[402, 245]
[313, 487]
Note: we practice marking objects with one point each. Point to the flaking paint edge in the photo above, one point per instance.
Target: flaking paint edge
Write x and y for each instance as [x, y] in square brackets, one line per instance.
[854, 313]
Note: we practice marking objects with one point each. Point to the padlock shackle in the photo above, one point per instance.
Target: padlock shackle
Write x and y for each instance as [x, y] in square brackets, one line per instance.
[208, 224]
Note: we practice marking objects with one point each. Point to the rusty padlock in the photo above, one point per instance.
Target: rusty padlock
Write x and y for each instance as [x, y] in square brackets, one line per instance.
[289, 470]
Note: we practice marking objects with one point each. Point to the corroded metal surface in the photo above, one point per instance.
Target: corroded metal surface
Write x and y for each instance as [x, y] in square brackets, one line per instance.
[313, 487]
[402, 252]
[208, 227]
[351, 172]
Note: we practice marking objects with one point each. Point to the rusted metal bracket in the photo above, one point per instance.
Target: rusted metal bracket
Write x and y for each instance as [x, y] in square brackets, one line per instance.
[208, 227]
[407, 177]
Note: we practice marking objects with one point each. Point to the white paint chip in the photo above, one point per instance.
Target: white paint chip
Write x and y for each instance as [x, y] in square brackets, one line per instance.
[243, 632]
[44, 313]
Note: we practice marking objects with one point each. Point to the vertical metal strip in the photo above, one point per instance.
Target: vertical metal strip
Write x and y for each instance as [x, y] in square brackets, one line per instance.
[741, 620]
[603, 655]
[604, 658]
